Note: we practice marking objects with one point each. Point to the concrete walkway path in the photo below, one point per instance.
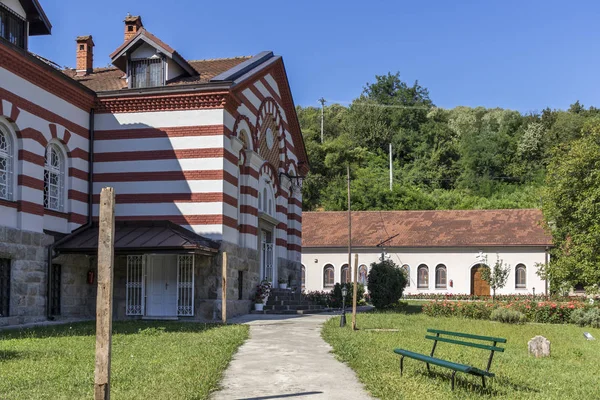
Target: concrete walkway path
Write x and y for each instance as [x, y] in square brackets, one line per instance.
[286, 358]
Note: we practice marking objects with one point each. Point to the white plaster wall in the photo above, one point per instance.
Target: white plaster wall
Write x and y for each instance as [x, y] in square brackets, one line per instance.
[458, 262]
[14, 5]
[144, 51]
[159, 119]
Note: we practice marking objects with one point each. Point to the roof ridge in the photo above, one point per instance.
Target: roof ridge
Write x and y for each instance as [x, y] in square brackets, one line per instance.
[220, 59]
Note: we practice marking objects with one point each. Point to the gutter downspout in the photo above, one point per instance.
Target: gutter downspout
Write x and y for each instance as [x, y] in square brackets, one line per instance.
[547, 256]
[90, 208]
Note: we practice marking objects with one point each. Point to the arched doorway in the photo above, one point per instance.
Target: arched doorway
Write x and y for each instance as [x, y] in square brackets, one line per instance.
[479, 287]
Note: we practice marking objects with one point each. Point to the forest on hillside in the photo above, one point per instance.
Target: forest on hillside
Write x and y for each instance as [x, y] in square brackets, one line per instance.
[460, 158]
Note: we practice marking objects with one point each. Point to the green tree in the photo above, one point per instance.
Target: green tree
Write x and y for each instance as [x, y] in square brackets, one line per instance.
[572, 210]
[386, 284]
[496, 276]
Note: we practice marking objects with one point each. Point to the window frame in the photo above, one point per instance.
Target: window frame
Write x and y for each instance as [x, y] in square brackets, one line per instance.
[520, 267]
[345, 274]
[9, 169]
[9, 21]
[420, 285]
[326, 269]
[57, 171]
[148, 73]
[439, 269]
[406, 269]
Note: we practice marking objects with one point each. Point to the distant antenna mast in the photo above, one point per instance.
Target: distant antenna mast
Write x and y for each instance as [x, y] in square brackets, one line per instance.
[322, 101]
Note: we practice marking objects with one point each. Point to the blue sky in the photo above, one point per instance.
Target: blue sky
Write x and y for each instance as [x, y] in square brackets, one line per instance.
[524, 55]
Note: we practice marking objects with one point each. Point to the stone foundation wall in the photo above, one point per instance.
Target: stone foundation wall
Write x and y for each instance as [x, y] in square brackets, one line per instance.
[28, 253]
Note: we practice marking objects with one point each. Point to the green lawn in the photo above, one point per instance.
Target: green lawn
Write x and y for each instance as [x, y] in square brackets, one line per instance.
[150, 360]
[572, 372]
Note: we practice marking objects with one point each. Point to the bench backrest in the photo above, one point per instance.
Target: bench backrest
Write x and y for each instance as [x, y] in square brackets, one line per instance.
[492, 348]
[494, 340]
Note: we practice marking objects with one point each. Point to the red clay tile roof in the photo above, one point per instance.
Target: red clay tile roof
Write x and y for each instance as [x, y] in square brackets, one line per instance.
[426, 228]
[105, 79]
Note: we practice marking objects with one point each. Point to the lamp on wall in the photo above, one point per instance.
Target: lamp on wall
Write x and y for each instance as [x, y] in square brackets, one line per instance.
[296, 180]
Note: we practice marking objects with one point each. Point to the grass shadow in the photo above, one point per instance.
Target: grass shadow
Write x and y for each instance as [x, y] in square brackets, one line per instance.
[473, 384]
[120, 327]
[7, 355]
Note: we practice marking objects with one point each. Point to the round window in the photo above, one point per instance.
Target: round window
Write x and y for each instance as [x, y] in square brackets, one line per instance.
[270, 138]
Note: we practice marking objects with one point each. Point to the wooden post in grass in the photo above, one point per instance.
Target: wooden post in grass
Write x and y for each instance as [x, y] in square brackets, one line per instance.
[355, 287]
[224, 290]
[106, 258]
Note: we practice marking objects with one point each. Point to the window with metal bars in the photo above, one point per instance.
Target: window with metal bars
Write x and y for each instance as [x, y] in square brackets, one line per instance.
[4, 287]
[13, 27]
[55, 283]
[147, 73]
[6, 167]
[54, 178]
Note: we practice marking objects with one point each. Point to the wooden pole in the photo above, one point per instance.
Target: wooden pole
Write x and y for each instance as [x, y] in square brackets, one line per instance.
[355, 286]
[106, 259]
[224, 289]
[349, 224]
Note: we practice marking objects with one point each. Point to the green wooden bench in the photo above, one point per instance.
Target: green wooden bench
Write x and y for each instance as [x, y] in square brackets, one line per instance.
[467, 369]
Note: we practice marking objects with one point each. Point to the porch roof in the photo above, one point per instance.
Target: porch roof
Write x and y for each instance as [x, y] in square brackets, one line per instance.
[140, 237]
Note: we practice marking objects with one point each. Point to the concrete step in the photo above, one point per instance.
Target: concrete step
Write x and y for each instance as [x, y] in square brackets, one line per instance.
[297, 308]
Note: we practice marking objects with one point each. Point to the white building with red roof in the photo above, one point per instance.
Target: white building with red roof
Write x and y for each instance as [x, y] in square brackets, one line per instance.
[441, 251]
[204, 156]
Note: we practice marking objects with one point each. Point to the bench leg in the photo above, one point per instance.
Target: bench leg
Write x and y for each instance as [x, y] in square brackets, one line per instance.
[428, 370]
[401, 365]
[453, 374]
[483, 381]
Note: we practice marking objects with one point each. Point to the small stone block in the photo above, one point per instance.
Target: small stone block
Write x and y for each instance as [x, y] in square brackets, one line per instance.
[539, 346]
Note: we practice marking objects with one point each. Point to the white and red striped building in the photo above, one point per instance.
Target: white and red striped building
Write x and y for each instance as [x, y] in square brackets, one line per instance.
[204, 156]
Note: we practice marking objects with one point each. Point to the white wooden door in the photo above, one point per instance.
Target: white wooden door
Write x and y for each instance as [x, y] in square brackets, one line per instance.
[161, 287]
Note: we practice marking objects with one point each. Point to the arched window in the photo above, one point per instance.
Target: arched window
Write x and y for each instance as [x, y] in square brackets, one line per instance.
[6, 165]
[423, 276]
[345, 274]
[54, 178]
[440, 276]
[266, 198]
[406, 270]
[303, 277]
[328, 276]
[363, 273]
[520, 276]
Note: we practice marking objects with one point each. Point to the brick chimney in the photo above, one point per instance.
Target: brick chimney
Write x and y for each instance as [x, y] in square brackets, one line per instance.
[132, 26]
[85, 55]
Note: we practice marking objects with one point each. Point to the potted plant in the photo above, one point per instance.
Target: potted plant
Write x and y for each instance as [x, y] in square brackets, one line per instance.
[262, 294]
[282, 283]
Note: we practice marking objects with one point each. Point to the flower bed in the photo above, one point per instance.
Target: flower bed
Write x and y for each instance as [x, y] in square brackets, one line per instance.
[499, 297]
[536, 311]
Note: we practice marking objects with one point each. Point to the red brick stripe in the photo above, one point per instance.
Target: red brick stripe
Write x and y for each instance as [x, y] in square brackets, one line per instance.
[30, 208]
[77, 195]
[31, 157]
[249, 229]
[295, 217]
[30, 133]
[146, 133]
[294, 247]
[166, 176]
[245, 209]
[164, 155]
[77, 173]
[249, 190]
[77, 218]
[6, 203]
[79, 153]
[151, 198]
[28, 181]
[294, 232]
[41, 112]
[56, 214]
[184, 219]
[270, 90]
[281, 242]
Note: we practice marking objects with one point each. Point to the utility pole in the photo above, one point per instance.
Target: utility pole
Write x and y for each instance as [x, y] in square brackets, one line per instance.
[391, 167]
[322, 101]
[349, 223]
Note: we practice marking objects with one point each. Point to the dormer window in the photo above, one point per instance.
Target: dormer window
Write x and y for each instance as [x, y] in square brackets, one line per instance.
[149, 72]
[12, 27]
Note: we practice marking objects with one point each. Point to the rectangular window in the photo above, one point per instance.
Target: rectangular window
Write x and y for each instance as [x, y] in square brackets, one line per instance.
[147, 73]
[185, 285]
[55, 289]
[134, 286]
[12, 27]
[4, 287]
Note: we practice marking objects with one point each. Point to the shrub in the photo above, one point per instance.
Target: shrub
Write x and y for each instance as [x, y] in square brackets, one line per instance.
[336, 294]
[319, 298]
[386, 284]
[508, 316]
[589, 317]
